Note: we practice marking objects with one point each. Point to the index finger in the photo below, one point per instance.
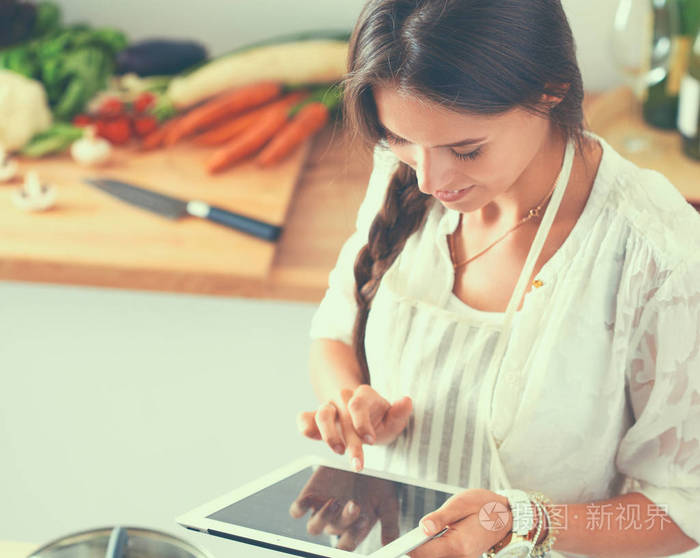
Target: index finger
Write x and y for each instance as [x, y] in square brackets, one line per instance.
[353, 443]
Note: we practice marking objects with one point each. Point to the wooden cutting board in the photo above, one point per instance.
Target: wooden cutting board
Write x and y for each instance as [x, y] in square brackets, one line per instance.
[89, 227]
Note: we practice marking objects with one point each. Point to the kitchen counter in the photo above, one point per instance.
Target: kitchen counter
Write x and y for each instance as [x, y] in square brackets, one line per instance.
[322, 216]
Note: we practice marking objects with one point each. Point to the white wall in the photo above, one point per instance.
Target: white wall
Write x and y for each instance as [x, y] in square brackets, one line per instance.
[223, 25]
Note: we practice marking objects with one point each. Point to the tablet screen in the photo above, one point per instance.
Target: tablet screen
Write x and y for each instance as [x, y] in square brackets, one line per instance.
[381, 510]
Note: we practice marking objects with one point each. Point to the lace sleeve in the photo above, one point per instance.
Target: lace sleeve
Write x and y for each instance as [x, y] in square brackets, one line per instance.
[335, 316]
[660, 453]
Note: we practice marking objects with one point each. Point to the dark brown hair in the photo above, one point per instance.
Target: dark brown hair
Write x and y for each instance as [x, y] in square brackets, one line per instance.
[476, 56]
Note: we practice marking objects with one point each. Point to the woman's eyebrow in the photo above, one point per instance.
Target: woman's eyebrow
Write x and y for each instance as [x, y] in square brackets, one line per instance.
[468, 141]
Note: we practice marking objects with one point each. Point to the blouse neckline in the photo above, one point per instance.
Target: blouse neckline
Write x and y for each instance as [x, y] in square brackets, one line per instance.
[594, 204]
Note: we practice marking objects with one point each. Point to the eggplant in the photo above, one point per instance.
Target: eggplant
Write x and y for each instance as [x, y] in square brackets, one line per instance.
[17, 21]
[160, 57]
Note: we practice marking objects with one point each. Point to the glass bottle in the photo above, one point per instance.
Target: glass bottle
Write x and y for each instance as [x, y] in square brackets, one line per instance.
[667, 65]
[631, 42]
[689, 105]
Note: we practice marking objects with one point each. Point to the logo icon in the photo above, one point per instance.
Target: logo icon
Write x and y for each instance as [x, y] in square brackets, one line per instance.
[493, 516]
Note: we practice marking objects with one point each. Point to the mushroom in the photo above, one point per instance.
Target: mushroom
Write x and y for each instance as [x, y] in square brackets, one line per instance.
[91, 150]
[33, 195]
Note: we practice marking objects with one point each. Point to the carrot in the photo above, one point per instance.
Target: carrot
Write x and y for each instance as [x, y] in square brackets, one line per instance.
[156, 137]
[249, 141]
[223, 106]
[309, 120]
[229, 130]
[232, 128]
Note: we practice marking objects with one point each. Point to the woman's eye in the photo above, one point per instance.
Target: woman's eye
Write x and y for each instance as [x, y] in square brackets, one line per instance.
[468, 156]
[394, 139]
[389, 138]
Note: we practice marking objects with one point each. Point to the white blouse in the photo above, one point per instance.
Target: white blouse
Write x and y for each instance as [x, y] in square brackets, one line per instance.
[599, 390]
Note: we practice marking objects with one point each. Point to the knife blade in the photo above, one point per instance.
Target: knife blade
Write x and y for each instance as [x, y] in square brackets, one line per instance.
[175, 208]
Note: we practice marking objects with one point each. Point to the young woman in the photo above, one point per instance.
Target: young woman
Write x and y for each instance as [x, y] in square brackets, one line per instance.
[519, 307]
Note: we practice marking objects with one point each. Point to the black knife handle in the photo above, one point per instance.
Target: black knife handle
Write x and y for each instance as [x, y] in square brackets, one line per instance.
[256, 228]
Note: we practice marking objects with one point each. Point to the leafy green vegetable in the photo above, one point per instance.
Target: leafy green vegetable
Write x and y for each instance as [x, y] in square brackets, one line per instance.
[157, 84]
[72, 62]
[163, 109]
[18, 60]
[328, 95]
[80, 74]
[57, 138]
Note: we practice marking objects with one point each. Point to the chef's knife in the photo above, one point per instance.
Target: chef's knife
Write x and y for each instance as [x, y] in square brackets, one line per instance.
[174, 208]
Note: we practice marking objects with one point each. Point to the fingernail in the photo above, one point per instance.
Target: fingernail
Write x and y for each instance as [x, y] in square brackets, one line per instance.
[356, 464]
[339, 449]
[428, 527]
[369, 439]
[352, 506]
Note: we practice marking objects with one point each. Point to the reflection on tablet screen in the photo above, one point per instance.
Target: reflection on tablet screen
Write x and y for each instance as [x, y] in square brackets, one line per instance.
[323, 497]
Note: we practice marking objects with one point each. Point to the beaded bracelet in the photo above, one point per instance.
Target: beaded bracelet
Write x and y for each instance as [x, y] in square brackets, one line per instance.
[540, 522]
[541, 550]
[543, 528]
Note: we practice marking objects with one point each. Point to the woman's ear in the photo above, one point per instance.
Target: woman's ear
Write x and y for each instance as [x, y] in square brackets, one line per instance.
[559, 92]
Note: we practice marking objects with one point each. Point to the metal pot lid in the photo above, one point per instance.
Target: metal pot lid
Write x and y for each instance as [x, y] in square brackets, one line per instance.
[119, 542]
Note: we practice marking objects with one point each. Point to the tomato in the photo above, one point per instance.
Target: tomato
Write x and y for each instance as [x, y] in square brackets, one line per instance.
[144, 125]
[116, 130]
[144, 101]
[82, 120]
[100, 126]
[111, 107]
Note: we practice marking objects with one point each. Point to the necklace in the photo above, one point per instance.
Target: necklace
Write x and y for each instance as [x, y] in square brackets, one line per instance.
[534, 212]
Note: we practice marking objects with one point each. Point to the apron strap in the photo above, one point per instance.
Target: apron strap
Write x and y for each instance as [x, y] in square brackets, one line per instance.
[484, 411]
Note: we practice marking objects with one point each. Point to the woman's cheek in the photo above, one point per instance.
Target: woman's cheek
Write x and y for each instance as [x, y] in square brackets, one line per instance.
[481, 170]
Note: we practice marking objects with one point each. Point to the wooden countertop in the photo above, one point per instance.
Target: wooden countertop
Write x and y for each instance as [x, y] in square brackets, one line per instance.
[322, 216]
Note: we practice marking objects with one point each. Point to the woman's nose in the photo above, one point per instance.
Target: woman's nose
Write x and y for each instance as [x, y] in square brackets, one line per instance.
[430, 171]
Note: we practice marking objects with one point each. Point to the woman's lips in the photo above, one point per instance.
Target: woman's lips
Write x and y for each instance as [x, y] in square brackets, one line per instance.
[451, 195]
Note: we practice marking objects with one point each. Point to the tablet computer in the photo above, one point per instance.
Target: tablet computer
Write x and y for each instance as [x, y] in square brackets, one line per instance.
[319, 509]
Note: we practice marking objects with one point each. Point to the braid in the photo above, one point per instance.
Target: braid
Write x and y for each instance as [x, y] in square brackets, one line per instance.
[404, 209]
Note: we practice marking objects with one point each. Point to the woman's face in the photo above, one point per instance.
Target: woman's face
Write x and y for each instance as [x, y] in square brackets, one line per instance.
[486, 157]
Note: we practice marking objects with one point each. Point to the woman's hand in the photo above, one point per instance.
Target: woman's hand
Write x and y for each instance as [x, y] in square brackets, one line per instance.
[477, 520]
[357, 417]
